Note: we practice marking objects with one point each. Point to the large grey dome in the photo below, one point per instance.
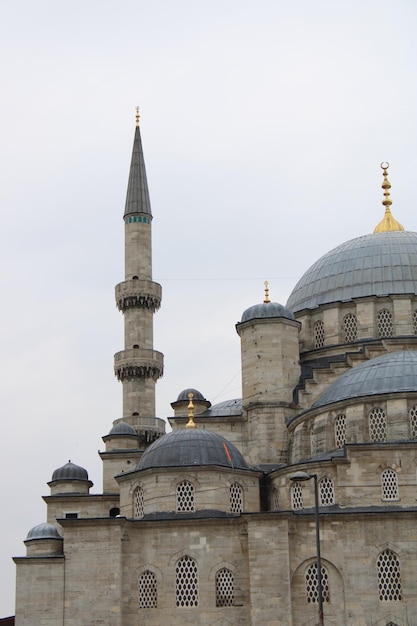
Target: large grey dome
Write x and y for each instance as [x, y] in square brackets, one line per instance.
[70, 471]
[390, 373]
[372, 265]
[43, 531]
[191, 446]
[266, 310]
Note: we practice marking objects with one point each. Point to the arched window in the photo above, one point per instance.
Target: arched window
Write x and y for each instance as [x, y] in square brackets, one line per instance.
[415, 322]
[350, 327]
[236, 498]
[413, 422]
[340, 430]
[326, 491]
[297, 496]
[312, 591]
[225, 588]
[138, 510]
[185, 497]
[186, 582]
[389, 576]
[389, 483]
[319, 334]
[275, 500]
[148, 591]
[384, 323]
[377, 425]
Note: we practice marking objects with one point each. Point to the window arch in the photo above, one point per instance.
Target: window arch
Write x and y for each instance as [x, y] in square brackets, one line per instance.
[319, 334]
[138, 509]
[275, 500]
[389, 576]
[186, 582]
[389, 484]
[350, 327]
[326, 491]
[384, 323]
[377, 425]
[225, 588]
[148, 590]
[312, 592]
[340, 430]
[236, 498]
[413, 422]
[185, 497]
[297, 497]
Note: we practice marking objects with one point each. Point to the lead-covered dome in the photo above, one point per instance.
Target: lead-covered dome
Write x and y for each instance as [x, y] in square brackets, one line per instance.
[70, 471]
[373, 265]
[265, 310]
[192, 446]
[197, 395]
[43, 531]
[391, 373]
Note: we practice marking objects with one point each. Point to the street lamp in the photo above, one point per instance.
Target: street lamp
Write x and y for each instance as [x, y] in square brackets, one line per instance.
[302, 477]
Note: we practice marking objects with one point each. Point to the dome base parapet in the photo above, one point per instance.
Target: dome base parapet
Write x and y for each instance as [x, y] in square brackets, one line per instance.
[140, 293]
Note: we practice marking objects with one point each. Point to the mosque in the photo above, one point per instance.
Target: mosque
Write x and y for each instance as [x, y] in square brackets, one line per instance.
[215, 522]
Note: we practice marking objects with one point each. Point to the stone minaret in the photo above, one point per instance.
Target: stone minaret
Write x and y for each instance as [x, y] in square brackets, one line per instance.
[138, 366]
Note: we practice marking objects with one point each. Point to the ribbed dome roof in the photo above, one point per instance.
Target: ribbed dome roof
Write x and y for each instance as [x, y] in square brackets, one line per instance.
[191, 446]
[265, 310]
[121, 428]
[197, 395]
[377, 264]
[70, 471]
[43, 531]
[390, 373]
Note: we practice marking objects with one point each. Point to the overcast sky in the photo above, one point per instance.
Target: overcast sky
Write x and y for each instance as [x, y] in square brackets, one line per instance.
[263, 124]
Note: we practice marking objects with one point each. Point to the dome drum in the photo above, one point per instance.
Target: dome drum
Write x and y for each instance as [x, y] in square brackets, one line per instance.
[43, 540]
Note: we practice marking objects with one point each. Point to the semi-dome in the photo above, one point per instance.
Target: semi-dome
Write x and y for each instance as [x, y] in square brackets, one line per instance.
[380, 264]
[43, 531]
[265, 310]
[391, 373]
[121, 428]
[197, 395]
[70, 471]
[185, 447]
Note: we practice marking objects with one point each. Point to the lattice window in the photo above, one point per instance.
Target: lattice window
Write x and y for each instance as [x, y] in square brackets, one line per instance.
[275, 500]
[225, 588]
[148, 591]
[319, 334]
[389, 483]
[186, 582]
[297, 496]
[185, 497]
[389, 576]
[378, 425]
[384, 323]
[326, 491]
[138, 510]
[340, 430]
[236, 498]
[350, 326]
[312, 584]
[415, 322]
[413, 422]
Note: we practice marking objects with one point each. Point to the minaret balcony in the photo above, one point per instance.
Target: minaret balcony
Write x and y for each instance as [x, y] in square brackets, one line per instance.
[138, 363]
[138, 292]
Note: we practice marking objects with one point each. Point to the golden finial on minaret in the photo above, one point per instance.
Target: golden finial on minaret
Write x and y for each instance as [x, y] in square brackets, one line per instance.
[137, 116]
[190, 423]
[388, 222]
[266, 299]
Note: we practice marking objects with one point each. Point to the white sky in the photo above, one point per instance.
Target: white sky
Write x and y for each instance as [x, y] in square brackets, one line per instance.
[263, 127]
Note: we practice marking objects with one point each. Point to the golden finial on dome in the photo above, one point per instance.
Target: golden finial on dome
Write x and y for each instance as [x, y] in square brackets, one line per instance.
[137, 116]
[388, 222]
[190, 423]
[266, 299]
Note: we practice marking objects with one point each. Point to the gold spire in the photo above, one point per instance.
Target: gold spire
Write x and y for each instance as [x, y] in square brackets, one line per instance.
[190, 423]
[266, 299]
[388, 222]
[137, 116]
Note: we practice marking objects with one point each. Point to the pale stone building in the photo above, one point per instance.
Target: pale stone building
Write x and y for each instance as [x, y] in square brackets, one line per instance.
[208, 524]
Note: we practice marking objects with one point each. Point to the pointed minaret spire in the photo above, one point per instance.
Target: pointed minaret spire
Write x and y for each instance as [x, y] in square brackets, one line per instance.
[388, 222]
[137, 197]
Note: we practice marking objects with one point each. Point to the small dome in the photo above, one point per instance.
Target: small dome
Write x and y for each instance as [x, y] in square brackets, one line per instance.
[265, 310]
[121, 428]
[197, 395]
[70, 471]
[185, 447]
[43, 531]
[390, 373]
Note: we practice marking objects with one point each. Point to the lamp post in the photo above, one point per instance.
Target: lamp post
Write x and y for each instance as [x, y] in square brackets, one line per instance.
[302, 477]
